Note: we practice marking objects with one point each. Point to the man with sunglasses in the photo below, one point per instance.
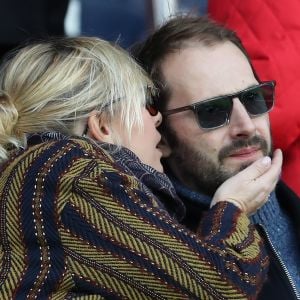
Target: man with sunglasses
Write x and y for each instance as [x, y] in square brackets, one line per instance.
[215, 124]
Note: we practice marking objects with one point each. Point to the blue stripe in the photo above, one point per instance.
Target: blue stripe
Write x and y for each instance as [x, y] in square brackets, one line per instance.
[84, 288]
[48, 210]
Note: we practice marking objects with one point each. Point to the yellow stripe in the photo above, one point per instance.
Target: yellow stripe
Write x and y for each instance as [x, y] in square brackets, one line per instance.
[123, 268]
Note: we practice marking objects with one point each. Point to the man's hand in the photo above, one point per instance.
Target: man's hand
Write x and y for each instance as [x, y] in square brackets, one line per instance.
[250, 188]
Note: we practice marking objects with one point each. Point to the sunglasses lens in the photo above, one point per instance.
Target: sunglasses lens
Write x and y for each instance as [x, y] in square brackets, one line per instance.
[153, 111]
[259, 100]
[214, 113]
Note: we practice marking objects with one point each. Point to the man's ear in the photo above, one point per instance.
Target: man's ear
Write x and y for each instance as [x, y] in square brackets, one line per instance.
[165, 147]
[99, 128]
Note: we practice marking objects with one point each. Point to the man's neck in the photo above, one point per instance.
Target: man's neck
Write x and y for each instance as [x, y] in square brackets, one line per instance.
[185, 192]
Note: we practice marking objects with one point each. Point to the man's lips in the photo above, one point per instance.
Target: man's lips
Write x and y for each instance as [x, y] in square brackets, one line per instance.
[244, 152]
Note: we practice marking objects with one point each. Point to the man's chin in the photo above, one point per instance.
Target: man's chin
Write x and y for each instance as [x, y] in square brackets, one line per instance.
[244, 166]
[237, 164]
[233, 169]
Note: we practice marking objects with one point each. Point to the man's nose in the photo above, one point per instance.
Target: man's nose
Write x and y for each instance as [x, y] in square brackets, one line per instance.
[240, 125]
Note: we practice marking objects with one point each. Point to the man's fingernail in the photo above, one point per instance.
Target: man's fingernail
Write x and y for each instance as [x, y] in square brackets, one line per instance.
[266, 161]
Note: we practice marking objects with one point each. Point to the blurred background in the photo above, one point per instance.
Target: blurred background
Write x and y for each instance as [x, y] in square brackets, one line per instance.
[125, 21]
[271, 35]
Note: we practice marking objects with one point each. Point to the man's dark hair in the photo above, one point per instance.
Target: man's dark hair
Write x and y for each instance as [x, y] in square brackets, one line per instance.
[178, 33]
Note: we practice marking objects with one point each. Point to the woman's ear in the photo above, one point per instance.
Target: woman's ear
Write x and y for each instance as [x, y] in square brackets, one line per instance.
[99, 128]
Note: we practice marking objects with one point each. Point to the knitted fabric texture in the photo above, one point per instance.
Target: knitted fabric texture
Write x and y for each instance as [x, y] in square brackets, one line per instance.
[281, 233]
[74, 224]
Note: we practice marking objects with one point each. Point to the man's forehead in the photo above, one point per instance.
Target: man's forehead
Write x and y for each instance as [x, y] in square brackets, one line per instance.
[201, 72]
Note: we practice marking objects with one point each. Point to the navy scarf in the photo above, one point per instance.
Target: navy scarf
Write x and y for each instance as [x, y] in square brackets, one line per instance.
[152, 182]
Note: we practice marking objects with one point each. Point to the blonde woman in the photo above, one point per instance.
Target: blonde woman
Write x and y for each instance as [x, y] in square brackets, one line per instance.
[87, 220]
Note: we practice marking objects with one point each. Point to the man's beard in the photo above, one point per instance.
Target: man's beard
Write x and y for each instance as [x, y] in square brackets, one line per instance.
[198, 170]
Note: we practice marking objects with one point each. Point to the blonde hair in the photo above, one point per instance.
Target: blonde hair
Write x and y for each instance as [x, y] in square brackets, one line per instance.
[50, 85]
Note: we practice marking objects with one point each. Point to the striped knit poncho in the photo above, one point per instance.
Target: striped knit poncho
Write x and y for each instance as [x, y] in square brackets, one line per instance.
[75, 225]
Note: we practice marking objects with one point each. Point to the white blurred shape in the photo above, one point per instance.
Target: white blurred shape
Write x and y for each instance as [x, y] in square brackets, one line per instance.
[162, 10]
[73, 19]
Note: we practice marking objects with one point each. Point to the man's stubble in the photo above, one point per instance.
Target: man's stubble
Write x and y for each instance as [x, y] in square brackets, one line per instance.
[197, 170]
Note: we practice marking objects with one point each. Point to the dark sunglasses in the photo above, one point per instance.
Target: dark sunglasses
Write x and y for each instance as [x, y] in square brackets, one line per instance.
[215, 112]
